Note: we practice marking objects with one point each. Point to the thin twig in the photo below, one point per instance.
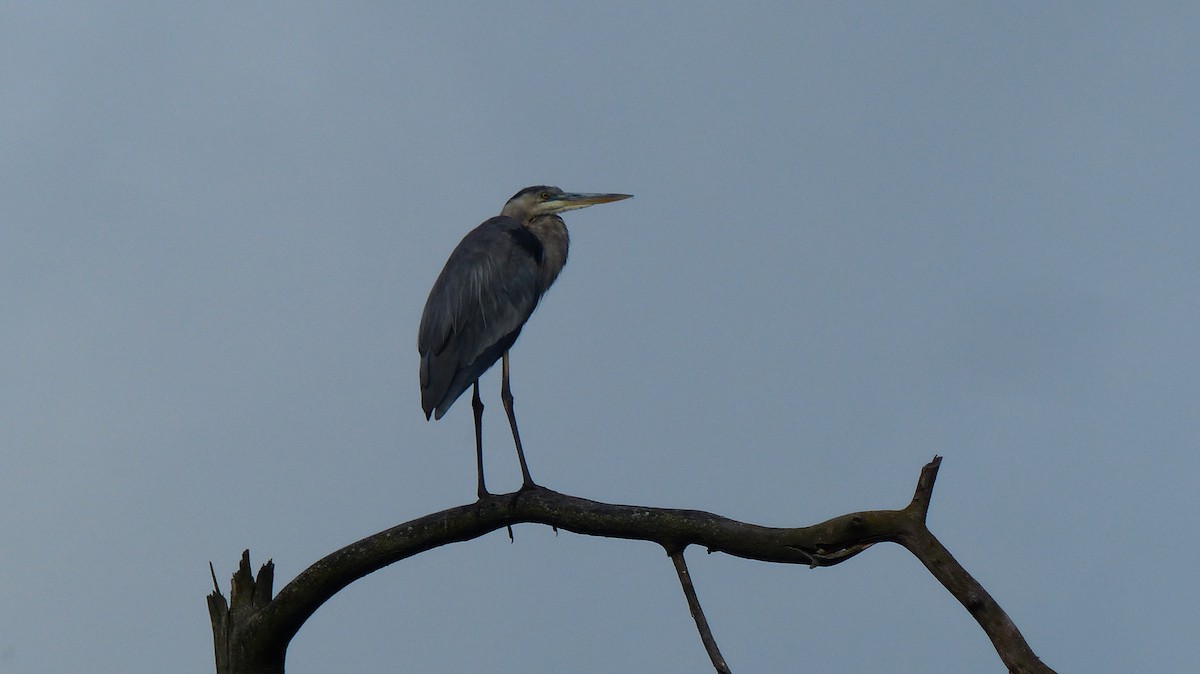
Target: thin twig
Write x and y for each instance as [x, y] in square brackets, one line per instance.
[689, 591]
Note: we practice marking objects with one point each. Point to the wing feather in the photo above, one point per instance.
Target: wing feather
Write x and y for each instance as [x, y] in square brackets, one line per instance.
[485, 293]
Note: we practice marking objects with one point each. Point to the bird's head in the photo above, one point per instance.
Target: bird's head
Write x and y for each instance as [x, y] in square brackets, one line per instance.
[540, 200]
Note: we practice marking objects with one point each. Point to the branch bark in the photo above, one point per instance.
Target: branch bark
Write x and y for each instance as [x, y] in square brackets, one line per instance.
[252, 632]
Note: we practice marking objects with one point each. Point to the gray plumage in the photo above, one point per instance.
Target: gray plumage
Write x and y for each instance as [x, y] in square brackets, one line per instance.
[489, 287]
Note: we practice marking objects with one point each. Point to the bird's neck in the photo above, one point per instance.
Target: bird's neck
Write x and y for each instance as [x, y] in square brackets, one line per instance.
[555, 240]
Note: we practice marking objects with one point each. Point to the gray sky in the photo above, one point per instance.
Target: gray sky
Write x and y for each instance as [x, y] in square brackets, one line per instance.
[862, 235]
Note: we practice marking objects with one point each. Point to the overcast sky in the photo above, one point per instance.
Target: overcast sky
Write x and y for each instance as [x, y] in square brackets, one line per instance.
[863, 234]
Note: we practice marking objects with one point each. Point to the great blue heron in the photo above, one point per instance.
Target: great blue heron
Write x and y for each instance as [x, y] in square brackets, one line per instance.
[485, 293]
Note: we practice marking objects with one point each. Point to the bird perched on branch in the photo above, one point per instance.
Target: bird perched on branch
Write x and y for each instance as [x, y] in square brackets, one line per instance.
[488, 289]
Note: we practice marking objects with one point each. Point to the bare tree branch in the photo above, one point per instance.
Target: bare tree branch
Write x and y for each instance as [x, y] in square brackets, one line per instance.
[706, 635]
[256, 630]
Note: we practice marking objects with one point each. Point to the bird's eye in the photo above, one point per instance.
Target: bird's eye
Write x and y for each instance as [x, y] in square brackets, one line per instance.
[544, 196]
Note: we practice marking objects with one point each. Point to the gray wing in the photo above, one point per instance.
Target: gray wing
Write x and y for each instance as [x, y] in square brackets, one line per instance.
[485, 293]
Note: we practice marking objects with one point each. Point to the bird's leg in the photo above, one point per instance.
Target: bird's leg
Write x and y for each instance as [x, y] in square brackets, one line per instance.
[507, 398]
[477, 407]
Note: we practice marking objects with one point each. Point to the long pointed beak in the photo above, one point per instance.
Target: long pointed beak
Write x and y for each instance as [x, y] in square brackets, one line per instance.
[569, 201]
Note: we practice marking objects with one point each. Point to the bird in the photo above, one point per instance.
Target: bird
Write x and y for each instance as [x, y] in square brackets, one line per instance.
[488, 289]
